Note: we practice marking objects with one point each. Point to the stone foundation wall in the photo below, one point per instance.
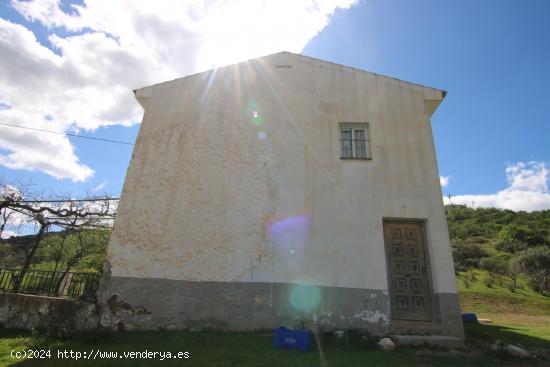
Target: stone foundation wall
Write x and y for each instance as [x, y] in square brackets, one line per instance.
[23, 311]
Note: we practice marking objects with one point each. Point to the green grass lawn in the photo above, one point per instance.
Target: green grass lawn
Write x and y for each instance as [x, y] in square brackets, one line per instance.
[522, 311]
[243, 349]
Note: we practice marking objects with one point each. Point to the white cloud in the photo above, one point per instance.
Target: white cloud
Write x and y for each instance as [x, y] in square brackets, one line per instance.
[118, 46]
[528, 190]
[531, 176]
[7, 234]
[444, 180]
[100, 187]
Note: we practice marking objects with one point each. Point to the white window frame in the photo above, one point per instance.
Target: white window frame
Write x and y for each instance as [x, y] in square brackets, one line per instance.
[354, 128]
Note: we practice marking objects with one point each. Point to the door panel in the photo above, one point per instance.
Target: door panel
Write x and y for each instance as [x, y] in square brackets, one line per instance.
[407, 271]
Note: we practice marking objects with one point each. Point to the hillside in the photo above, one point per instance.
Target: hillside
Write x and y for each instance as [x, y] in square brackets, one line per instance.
[491, 248]
[512, 247]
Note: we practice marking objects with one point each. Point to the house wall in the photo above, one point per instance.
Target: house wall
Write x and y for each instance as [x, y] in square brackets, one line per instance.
[236, 182]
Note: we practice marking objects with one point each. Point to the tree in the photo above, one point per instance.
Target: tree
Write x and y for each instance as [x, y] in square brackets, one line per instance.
[63, 213]
[535, 264]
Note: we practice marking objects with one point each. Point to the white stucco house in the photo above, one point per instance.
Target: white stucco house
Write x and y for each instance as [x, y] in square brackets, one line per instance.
[264, 192]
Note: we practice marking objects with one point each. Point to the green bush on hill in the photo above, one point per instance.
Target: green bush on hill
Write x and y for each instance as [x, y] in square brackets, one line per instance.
[468, 255]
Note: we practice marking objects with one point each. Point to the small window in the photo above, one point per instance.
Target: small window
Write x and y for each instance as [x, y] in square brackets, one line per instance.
[354, 141]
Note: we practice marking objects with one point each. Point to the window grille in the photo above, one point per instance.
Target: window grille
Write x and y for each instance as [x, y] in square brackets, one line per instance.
[354, 141]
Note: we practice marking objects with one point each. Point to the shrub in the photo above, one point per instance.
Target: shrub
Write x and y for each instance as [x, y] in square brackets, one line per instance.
[497, 265]
[489, 281]
[501, 266]
[510, 246]
[468, 278]
[467, 255]
[516, 238]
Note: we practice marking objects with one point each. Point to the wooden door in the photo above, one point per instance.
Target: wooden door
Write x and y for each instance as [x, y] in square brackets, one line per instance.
[407, 271]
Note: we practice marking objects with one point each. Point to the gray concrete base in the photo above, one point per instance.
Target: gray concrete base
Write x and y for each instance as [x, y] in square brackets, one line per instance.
[448, 314]
[427, 340]
[134, 303]
[161, 303]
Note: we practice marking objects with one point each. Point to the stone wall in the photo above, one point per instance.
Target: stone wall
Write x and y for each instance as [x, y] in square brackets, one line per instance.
[23, 311]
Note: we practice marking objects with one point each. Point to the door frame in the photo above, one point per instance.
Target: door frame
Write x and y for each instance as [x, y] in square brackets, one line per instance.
[427, 251]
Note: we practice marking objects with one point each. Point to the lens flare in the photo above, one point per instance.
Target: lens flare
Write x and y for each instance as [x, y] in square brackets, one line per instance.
[305, 297]
[290, 232]
[254, 111]
[290, 237]
[262, 135]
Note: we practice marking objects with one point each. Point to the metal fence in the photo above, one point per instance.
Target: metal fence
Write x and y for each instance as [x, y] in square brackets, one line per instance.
[49, 283]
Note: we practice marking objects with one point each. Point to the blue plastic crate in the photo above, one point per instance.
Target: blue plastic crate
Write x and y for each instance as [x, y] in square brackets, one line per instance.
[291, 339]
[469, 317]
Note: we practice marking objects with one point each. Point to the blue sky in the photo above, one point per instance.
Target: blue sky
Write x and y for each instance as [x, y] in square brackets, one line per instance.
[492, 132]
